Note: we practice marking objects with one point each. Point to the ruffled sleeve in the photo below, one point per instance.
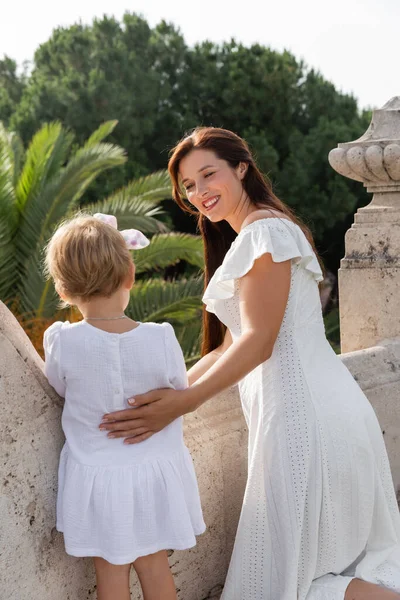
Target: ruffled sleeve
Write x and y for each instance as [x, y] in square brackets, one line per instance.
[177, 374]
[283, 239]
[52, 352]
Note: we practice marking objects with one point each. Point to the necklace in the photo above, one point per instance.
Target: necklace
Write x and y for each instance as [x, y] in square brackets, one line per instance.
[105, 318]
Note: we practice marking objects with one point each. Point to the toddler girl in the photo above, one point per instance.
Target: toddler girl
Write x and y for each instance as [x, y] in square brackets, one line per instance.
[121, 504]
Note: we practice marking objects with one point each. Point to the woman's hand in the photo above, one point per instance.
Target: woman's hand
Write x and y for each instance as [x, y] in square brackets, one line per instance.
[150, 413]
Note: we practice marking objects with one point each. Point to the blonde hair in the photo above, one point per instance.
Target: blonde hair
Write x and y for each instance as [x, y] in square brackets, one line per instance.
[86, 257]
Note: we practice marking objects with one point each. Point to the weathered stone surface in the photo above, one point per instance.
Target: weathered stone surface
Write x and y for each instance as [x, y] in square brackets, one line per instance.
[374, 158]
[369, 277]
[33, 564]
[377, 371]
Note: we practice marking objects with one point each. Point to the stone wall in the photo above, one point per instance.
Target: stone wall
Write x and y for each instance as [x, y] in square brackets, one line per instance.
[377, 371]
[33, 564]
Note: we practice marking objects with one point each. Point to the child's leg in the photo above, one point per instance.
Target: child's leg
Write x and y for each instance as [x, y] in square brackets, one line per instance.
[155, 576]
[112, 580]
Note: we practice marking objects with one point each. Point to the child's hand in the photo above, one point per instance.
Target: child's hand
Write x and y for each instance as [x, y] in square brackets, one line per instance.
[153, 411]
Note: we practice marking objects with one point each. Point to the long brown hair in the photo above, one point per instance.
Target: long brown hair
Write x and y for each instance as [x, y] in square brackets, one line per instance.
[218, 237]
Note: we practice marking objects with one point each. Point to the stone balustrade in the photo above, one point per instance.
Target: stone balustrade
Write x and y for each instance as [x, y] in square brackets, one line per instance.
[369, 277]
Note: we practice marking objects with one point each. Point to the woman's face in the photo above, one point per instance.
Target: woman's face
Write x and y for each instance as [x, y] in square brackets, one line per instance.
[212, 185]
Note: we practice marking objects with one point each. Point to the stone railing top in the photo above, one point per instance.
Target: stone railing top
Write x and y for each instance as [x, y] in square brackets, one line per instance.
[373, 159]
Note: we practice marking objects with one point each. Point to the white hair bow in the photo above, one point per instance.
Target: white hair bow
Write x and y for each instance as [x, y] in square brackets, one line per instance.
[135, 239]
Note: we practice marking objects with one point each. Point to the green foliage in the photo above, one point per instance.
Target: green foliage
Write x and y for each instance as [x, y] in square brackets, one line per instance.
[45, 185]
[178, 302]
[158, 300]
[138, 203]
[309, 185]
[11, 88]
[37, 190]
[332, 329]
[84, 74]
[87, 76]
[168, 249]
[158, 88]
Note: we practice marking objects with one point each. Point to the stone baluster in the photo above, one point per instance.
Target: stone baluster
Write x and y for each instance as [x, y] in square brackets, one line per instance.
[369, 275]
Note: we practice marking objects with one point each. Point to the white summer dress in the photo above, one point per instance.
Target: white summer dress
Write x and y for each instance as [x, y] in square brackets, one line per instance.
[119, 501]
[319, 506]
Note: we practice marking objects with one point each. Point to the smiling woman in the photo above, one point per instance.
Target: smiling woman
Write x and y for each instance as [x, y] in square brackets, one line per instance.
[319, 518]
[221, 181]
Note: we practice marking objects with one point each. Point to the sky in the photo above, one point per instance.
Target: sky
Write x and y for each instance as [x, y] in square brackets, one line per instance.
[352, 43]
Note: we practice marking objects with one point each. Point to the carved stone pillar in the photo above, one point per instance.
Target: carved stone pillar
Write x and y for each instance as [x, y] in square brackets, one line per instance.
[369, 275]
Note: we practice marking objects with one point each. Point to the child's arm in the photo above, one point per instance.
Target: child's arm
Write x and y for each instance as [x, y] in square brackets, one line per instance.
[52, 352]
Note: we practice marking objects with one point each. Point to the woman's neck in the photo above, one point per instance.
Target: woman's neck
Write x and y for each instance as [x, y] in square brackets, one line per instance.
[237, 219]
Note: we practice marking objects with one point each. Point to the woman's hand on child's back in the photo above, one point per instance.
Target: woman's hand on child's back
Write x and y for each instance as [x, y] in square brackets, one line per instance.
[150, 413]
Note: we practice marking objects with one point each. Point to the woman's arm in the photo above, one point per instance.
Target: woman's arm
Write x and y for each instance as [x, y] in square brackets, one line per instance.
[205, 363]
[264, 292]
[263, 297]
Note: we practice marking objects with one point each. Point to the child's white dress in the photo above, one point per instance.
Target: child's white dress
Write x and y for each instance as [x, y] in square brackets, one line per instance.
[119, 501]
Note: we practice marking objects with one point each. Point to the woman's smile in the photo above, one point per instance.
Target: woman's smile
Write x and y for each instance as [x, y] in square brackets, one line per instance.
[212, 186]
[210, 202]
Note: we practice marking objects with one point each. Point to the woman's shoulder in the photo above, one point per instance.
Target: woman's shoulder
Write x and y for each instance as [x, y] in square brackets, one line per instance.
[264, 215]
[260, 234]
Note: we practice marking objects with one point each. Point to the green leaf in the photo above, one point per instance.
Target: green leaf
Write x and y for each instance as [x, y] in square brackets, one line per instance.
[8, 217]
[101, 133]
[45, 156]
[37, 295]
[59, 197]
[168, 249]
[189, 338]
[156, 300]
[137, 204]
[18, 152]
[36, 197]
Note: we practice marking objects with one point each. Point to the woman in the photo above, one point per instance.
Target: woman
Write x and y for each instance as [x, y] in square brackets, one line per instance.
[319, 519]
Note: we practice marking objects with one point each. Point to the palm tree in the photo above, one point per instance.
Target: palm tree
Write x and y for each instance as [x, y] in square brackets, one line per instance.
[45, 184]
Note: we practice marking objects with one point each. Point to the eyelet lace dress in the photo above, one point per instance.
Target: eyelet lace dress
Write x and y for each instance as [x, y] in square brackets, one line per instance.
[319, 506]
[119, 501]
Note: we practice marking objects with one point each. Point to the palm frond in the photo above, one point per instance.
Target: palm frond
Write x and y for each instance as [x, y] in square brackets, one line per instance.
[45, 156]
[101, 133]
[61, 195]
[152, 188]
[8, 216]
[7, 191]
[138, 203]
[130, 212]
[189, 338]
[12, 151]
[36, 295]
[19, 153]
[158, 300]
[168, 249]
